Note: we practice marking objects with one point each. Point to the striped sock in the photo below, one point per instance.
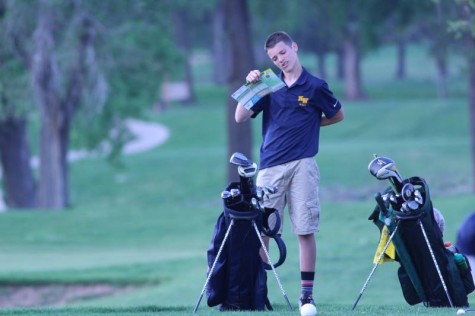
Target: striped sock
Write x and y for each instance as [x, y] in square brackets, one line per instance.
[307, 279]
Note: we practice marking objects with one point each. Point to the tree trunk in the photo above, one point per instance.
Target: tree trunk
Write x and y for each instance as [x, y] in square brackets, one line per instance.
[340, 64]
[401, 60]
[183, 43]
[353, 89]
[242, 61]
[471, 98]
[52, 187]
[441, 66]
[45, 82]
[18, 180]
[321, 65]
[56, 114]
[220, 46]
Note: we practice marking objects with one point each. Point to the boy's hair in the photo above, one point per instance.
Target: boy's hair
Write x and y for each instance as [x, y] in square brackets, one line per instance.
[277, 37]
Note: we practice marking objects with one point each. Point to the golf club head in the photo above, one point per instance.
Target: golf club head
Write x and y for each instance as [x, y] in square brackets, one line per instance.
[239, 159]
[247, 171]
[418, 197]
[260, 193]
[270, 189]
[225, 194]
[384, 168]
[408, 192]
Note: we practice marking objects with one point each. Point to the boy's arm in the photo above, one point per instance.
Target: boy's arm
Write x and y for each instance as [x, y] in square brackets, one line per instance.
[242, 114]
[339, 116]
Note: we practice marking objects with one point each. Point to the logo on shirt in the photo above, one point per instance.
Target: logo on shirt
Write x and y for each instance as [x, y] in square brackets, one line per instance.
[302, 100]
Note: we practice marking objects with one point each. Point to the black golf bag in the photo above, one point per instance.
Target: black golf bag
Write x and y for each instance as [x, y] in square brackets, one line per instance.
[236, 272]
[428, 272]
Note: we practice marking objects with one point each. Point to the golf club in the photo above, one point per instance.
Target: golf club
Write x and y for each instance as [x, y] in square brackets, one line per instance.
[225, 195]
[255, 204]
[235, 192]
[239, 159]
[247, 171]
[385, 168]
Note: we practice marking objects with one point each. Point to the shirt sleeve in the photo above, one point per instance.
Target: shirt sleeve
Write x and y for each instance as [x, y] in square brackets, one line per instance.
[328, 103]
[259, 106]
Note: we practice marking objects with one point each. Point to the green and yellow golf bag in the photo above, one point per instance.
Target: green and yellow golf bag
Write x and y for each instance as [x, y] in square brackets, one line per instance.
[429, 272]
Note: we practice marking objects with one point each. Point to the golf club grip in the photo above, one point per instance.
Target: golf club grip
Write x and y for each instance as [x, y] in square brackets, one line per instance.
[379, 200]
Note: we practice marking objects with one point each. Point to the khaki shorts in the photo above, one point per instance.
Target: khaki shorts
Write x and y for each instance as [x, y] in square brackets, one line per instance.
[298, 184]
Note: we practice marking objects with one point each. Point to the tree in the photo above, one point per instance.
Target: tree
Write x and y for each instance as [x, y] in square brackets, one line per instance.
[181, 22]
[58, 102]
[464, 29]
[220, 46]
[17, 175]
[19, 183]
[84, 87]
[242, 61]
[402, 26]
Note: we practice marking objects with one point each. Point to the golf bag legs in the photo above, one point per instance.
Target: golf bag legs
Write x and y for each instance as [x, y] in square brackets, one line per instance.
[271, 264]
[435, 263]
[210, 273]
[374, 267]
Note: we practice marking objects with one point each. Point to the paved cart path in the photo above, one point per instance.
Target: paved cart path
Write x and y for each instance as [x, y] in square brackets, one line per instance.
[147, 136]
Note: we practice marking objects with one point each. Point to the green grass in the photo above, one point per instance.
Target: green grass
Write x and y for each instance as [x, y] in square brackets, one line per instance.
[149, 224]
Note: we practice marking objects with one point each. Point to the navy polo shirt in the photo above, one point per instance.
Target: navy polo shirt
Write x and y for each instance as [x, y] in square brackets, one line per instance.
[291, 119]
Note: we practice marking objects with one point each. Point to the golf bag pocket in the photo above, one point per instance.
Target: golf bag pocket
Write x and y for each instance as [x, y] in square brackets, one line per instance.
[408, 290]
[466, 276]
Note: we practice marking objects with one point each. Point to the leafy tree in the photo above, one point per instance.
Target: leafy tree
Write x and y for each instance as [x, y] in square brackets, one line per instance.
[464, 29]
[242, 60]
[15, 105]
[94, 68]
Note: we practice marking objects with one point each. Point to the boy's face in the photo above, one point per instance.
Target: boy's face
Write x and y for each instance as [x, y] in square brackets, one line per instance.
[284, 56]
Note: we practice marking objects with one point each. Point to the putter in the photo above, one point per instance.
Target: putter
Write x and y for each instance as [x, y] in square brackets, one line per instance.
[375, 266]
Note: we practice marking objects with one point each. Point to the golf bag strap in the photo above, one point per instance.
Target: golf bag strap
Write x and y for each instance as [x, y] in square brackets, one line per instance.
[282, 253]
[245, 215]
[410, 217]
[265, 222]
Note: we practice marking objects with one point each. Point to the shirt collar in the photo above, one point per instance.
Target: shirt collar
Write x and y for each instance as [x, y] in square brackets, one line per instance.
[300, 81]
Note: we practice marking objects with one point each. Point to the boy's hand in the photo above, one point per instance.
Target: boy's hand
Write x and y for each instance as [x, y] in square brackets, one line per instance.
[253, 76]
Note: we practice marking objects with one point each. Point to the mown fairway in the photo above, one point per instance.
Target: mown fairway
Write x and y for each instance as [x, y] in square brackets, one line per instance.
[148, 225]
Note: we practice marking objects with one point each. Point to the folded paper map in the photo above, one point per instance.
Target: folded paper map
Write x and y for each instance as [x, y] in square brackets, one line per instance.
[250, 93]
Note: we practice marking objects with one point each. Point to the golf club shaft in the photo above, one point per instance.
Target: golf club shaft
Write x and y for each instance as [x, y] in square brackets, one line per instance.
[375, 266]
